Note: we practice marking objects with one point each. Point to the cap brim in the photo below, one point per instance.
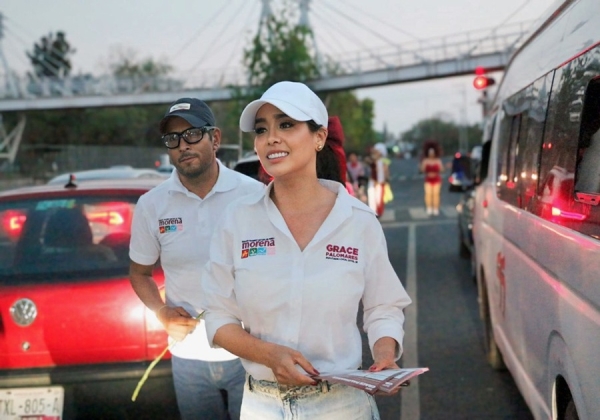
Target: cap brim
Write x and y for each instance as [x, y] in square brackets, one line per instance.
[192, 119]
[248, 117]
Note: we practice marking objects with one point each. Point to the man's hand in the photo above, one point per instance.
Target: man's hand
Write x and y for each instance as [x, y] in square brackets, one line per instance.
[177, 321]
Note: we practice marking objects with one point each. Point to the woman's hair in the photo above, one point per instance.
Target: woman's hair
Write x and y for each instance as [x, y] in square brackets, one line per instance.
[328, 166]
[328, 162]
[431, 144]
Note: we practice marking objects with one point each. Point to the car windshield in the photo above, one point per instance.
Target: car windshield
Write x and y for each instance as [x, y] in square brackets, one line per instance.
[65, 238]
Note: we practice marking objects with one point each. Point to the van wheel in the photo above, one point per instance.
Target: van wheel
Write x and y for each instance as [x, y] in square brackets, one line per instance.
[492, 352]
[571, 412]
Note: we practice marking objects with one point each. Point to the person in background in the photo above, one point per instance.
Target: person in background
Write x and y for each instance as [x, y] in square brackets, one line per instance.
[431, 166]
[289, 267]
[357, 172]
[173, 223]
[378, 179]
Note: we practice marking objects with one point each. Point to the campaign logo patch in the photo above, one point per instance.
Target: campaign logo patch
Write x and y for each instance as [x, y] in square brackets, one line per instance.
[172, 224]
[256, 247]
[341, 253]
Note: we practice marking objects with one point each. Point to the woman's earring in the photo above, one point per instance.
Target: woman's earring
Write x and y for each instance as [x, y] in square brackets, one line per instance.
[319, 147]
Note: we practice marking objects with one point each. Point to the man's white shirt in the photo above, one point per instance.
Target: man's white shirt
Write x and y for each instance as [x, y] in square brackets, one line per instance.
[175, 225]
[307, 299]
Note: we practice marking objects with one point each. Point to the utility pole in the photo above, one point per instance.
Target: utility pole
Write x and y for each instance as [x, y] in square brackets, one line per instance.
[10, 84]
[463, 140]
[9, 142]
[304, 6]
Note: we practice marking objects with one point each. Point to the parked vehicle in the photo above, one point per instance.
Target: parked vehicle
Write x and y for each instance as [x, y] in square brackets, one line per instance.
[464, 208]
[251, 166]
[163, 164]
[114, 172]
[461, 178]
[536, 223]
[72, 330]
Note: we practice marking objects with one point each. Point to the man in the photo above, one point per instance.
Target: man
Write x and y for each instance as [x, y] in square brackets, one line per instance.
[174, 222]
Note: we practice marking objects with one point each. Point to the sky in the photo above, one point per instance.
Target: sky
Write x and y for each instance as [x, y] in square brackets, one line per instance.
[202, 38]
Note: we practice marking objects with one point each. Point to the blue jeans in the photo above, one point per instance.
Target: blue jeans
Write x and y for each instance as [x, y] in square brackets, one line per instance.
[264, 400]
[200, 387]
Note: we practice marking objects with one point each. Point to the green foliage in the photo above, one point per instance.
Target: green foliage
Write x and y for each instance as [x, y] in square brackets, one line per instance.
[125, 64]
[280, 51]
[356, 117]
[126, 126]
[446, 133]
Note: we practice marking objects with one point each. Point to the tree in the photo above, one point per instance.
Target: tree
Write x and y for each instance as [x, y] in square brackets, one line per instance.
[445, 132]
[124, 63]
[281, 51]
[356, 117]
[51, 56]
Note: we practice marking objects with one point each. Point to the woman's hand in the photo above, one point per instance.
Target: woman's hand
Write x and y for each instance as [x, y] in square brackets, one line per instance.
[177, 321]
[384, 356]
[283, 360]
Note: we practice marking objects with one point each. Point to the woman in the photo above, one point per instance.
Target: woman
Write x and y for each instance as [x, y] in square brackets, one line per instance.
[292, 264]
[431, 167]
[378, 179]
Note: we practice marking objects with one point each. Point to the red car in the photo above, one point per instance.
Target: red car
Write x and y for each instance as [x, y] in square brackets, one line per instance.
[74, 337]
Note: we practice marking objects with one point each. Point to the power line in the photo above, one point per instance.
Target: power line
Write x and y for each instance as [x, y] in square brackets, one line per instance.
[358, 24]
[199, 31]
[225, 27]
[235, 48]
[402, 31]
[356, 40]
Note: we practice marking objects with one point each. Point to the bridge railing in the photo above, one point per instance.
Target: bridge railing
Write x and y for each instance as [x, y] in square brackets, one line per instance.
[457, 46]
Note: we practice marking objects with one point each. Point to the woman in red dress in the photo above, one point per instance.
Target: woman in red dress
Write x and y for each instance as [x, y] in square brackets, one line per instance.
[431, 166]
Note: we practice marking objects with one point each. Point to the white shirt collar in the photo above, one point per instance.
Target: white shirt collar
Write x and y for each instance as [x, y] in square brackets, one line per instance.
[226, 181]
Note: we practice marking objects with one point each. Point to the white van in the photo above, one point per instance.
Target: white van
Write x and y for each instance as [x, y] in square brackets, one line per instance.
[537, 216]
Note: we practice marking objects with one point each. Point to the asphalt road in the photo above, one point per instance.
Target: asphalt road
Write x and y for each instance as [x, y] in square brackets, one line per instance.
[443, 330]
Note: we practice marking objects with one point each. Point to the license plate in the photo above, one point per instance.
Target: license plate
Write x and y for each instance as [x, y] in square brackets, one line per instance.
[32, 403]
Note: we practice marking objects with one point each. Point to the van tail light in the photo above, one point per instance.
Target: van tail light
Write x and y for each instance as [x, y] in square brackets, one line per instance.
[556, 212]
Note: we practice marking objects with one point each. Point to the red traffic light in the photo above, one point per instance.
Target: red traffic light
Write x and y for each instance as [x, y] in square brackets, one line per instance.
[482, 82]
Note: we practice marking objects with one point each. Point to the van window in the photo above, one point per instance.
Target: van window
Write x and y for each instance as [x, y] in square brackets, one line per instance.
[587, 173]
[554, 200]
[531, 136]
[587, 178]
[508, 152]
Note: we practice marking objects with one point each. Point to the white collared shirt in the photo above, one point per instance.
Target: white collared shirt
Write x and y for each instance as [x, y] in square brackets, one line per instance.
[175, 225]
[307, 300]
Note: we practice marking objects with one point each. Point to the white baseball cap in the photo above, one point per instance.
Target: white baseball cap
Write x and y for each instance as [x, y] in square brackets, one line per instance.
[294, 99]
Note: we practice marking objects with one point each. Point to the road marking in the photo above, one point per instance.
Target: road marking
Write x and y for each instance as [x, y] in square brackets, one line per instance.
[388, 215]
[418, 213]
[449, 211]
[428, 222]
[411, 404]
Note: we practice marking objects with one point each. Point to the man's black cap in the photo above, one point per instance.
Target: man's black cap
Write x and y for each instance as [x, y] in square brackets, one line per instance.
[194, 111]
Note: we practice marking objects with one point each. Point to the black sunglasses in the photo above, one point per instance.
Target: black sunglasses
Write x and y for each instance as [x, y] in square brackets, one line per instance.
[191, 136]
